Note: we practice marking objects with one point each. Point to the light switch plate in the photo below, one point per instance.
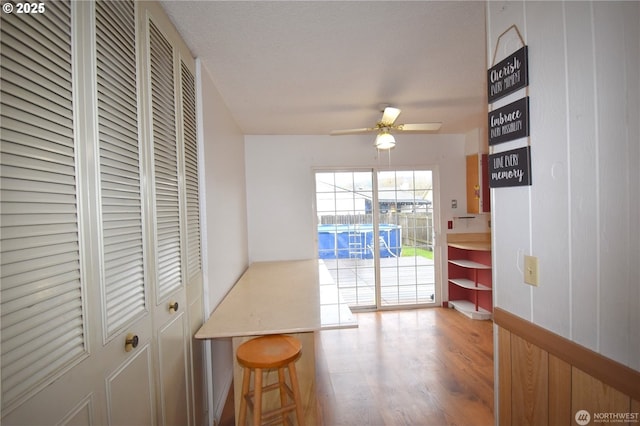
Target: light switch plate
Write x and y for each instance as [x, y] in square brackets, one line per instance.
[531, 270]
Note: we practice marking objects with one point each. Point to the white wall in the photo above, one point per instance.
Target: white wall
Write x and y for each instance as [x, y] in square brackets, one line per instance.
[581, 216]
[225, 247]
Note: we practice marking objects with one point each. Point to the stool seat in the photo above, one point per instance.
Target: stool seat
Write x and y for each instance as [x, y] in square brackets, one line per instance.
[270, 351]
[266, 353]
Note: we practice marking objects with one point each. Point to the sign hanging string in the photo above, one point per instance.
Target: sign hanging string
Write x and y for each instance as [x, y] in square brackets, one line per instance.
[512, 27]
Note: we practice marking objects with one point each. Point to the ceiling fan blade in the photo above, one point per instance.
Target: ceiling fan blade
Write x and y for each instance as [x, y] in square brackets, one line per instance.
[389, 115]
[353, 131]
[419, 127]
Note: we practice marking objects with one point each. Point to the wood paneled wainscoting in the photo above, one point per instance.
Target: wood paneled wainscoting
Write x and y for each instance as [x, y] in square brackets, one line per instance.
[545, 379]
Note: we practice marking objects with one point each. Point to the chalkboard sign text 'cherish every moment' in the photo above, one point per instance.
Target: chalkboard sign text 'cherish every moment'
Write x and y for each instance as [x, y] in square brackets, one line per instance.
[508, 75]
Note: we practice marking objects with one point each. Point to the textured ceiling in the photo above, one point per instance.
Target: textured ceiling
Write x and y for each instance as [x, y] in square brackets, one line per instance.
[309, 67]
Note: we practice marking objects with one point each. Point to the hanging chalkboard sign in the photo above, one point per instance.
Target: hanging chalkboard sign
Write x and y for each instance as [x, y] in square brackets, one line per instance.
[508, 75]
[509, 122]
[510, 168]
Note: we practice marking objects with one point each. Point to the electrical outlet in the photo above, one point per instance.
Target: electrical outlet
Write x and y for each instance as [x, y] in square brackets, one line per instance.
[531, 270]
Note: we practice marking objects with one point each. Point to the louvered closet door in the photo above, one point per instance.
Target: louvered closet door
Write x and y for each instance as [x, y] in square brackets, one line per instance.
[194, 254]
[43, 321]
[124, 301]
[99, 233]
[72, 258]
[172, 324]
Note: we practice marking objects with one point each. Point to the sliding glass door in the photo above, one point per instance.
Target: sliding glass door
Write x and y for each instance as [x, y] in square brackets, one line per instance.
[345, 234]
[406, 238]
[376, 236]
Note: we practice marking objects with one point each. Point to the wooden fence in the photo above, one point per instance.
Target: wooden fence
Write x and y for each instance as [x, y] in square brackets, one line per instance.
[417, 229]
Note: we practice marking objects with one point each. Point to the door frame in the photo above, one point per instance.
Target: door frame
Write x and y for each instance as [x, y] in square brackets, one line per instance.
[437, 247]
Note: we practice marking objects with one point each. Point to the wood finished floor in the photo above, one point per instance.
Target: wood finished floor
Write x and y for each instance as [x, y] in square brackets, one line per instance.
[415, 367]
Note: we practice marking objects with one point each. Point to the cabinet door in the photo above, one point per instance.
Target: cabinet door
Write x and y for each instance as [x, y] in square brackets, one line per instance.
[473, 184]
[477, 184]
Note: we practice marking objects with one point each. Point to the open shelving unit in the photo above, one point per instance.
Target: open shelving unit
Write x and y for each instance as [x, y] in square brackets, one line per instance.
[470, 278]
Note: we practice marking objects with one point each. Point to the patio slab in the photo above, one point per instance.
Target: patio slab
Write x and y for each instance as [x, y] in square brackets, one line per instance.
[405, 280]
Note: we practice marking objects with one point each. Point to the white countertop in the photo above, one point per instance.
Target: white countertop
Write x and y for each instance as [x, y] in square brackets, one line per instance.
[278, 297]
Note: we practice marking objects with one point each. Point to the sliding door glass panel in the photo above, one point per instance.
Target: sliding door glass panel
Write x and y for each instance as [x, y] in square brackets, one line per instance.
[406, 238]
[345, 234]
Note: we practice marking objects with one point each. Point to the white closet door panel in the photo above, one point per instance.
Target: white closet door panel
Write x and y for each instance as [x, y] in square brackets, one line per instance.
[194, 260]
[47, 32]
[118, 34]
[41, 169]
[52, 65]
[23, 322]
[117, 122]
[23, 100]
[23, 132]
[43, 330]
[28, 115]
[25, 261]
[33, 72]
[27, 185]
[26, 359]
[132, 378]
[81, 414]
[165, 159]
[30, 146]
[44, 40]
[121, 208]
[174, 371]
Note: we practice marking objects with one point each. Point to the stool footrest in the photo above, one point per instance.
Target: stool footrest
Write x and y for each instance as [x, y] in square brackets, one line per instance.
[271, 416]
[270, 387]
[268, 415]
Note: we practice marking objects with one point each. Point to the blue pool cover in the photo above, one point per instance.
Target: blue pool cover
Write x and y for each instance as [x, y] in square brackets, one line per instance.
[356, 241]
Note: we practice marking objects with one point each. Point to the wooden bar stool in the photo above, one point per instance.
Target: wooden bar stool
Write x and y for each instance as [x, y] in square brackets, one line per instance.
[263, 353]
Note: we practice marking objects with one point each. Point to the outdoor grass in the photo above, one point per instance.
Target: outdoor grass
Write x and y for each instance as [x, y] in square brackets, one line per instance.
[416, 251]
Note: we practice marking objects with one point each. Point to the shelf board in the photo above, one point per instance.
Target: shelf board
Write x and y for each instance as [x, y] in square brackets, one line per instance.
[466, 283]
[472, 245]
[469, 264]
[469, 309]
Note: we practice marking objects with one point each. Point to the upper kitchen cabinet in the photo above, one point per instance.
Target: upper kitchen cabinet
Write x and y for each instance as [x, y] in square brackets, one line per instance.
[478, 200]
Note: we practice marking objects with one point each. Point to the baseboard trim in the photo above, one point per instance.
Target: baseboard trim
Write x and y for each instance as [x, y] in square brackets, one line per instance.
[614, 374]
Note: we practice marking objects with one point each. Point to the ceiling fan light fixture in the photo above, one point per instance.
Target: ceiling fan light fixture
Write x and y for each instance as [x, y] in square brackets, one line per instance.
[385, 140]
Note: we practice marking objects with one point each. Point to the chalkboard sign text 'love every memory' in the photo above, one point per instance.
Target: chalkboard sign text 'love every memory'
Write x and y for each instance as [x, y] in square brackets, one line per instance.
[510, 168]
[508, 75]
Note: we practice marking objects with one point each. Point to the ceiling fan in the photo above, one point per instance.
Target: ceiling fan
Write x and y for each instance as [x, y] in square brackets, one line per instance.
[386, 126]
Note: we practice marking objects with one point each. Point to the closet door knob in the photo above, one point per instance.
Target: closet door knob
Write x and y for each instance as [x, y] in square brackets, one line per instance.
[173, 307]
[131, 342]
